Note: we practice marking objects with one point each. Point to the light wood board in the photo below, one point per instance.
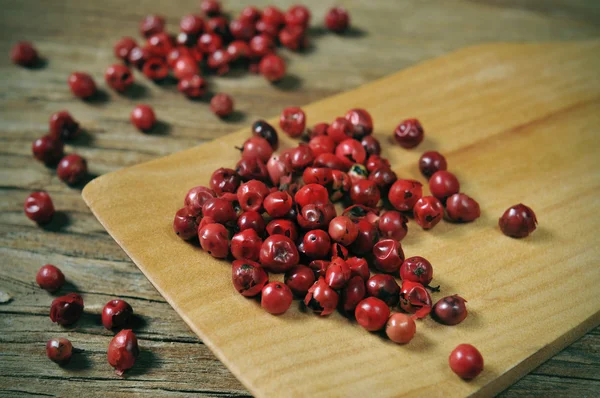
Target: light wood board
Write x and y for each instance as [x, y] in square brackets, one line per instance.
[517, 123]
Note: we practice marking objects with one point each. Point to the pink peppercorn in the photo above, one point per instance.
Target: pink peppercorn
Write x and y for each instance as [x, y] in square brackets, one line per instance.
[82, 85]
[23, 53]
[143, 117]
[221, 105]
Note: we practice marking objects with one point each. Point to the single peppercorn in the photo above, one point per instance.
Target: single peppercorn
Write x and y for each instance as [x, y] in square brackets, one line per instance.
[123, 350]
[337, 19]
[450, 310]
[299, 279]
[119, 77]
[443, 184]
[404, 194]
[428, 211]
[409, 133]
[321, 298]
[50, 278]
[66, 310]
[59, 350]
[116, 314]
[39, 208]
[272, 67]
[48, 149]
[62, 126]
[72, 169]
[264, 130]
[462, 208]
[143, 117]
[466, 361]
[372, 314]
[221, 105]
[518, 221]
[82, 85]
[276, 298]
[430, 162]
[155, 68]
[192, 86]
[151, 25]
[122, 48]
[385, 288]
[400, 328]
[23, 53]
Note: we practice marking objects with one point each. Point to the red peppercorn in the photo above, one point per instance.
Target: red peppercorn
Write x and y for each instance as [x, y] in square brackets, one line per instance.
[337, 250]
[214, 239]
[82, 85]
[415, 299]
[250, 14]
[337, 274]
[277, 169]
[319, 129]
[248, 277]
[209, 43]
[185, 67]
[322, 144]
[361, 212]
[317, 175]
[362, 122]
[138, 56]
[50, 278]
[375, 162]
[450, 310]
[383, 177]
[316, 244]
[66, 310]
[251, 220]
[388, 255]
[278, 204]
[210, 8]
[257, 147]
[23, 53]
[185, 223]
[238, 50]
[252, 169]
[404, 194]
[330, 161]
[431, 162]
[409, 133]
[518, 221]
[276, 298]
[192, 86]
[63, 126]
[283, 227]
[264, 130]
[428, 211]
[123, 47]
[312, 194]
[219, 209]
[466, 361]
[371, 145]
[246, 245]
[59, 350]
[462, 208]
[225, 180]
[372, 313]
[341, 185]
[116, 314]
[160, 44]
[278, 254]
[143, 117]
[272, 67]
[319, 268]
[299, 279]
[321, 298]
[219, 62]
[359, 267]
[343, 230]
[365, 192]
[400, 328]
[221, 105]
[385, 288]
[300, 158]
[48, 149]
[273, 15]
[443, 184]
[242, 29]
[416, 269]
[191, 24]
[39, 208]
[392, 224]
[152, 24]
[155, 68]
[337, 19]
[251, 194]
[72, 169]
[353, 294]
[118, 77]
[340, 130]
[312, 216]
[122, 351]
[352, 150]
[297, 15]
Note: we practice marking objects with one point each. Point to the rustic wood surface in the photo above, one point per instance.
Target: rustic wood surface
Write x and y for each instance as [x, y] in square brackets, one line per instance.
[74, 35]
[495, 92]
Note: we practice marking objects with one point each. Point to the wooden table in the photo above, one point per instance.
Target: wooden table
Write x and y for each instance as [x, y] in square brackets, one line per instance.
[74, 35]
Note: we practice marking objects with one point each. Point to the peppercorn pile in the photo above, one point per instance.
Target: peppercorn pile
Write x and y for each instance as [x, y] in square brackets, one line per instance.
[275, 213]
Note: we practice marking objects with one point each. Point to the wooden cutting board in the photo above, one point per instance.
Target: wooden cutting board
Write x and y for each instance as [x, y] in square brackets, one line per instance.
[517, 123]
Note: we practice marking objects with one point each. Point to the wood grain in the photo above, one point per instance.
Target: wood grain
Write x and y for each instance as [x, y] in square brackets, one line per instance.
[71, 34]
[515, 102]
